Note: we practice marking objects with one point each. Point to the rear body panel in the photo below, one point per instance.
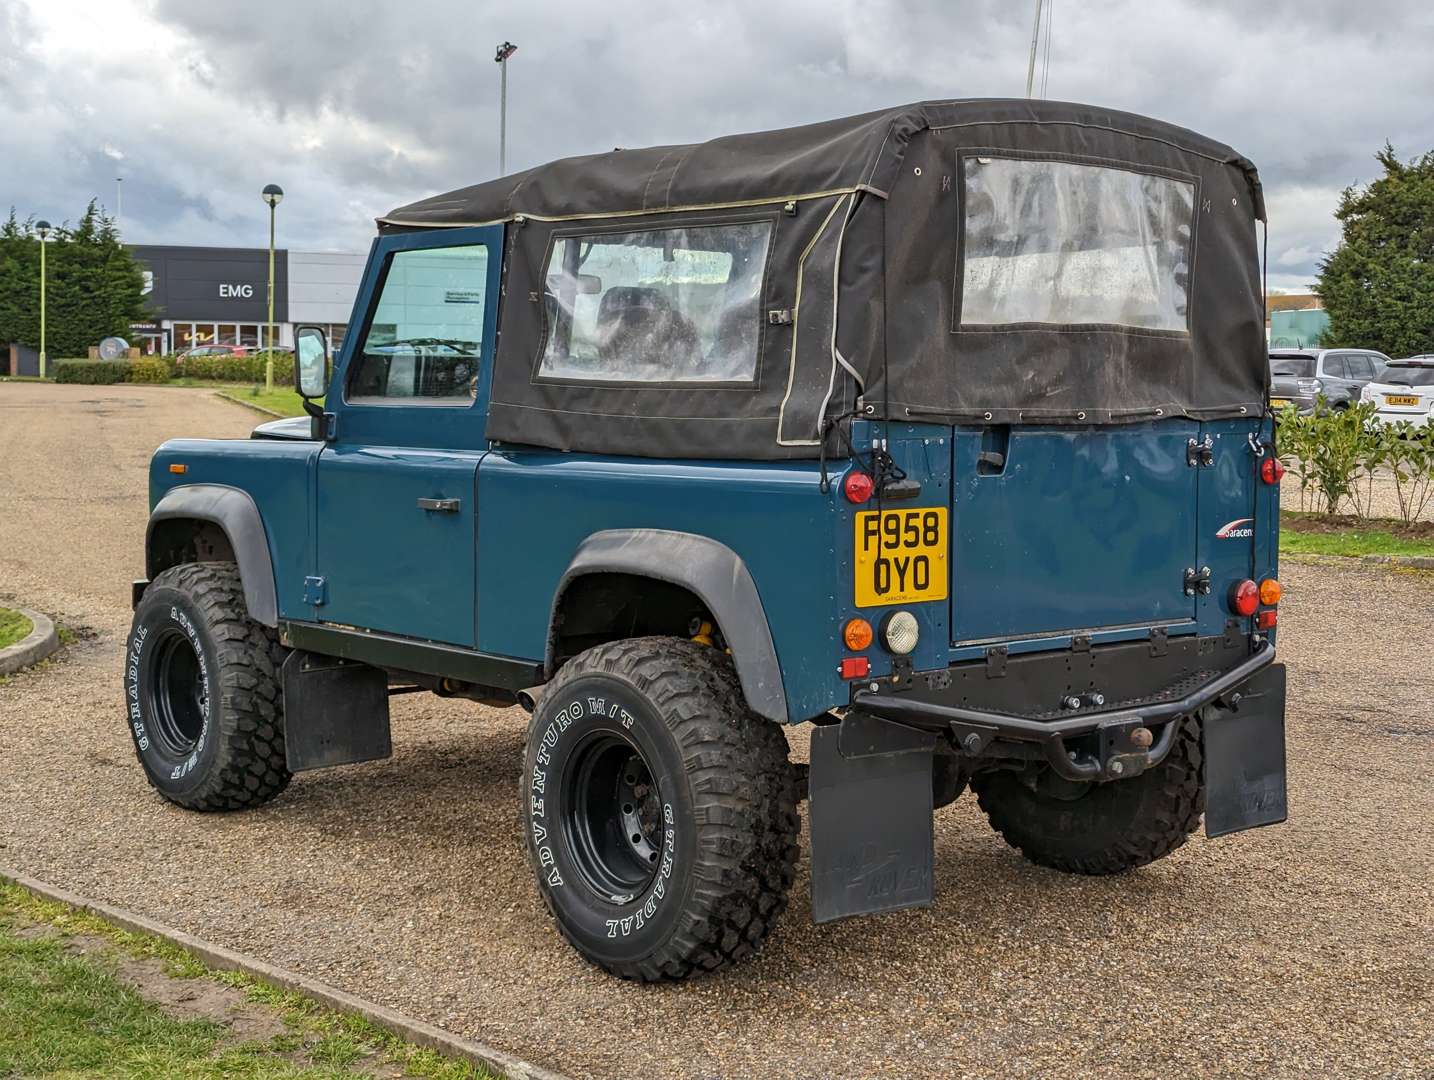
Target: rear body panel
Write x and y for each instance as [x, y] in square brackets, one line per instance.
[1078, 530]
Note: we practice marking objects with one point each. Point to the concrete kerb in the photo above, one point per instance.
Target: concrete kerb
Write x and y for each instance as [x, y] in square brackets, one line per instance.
[250, 405]
[1392, 562]
[40, 643]
[414, 1031]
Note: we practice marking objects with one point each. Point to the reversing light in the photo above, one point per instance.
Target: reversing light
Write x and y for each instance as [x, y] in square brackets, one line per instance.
[1270, 592]
[857, 635]
[855, 667]
[900, 632]
[1271, 471]
[857, 486]
[1244, 598]
[1267, 620]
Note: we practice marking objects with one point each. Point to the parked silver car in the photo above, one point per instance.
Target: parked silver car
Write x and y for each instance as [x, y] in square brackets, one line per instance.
[1299, 376]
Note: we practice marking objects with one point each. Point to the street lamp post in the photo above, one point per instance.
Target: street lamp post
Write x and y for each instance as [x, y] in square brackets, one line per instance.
[42, 227]
[505, 50]
[273, 194]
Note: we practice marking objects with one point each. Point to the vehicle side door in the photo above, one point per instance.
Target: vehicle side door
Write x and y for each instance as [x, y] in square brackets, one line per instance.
[1334, 375]
[396, 484]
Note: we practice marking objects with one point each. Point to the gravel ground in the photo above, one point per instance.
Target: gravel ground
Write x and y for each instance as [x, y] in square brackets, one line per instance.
[1305, 948]
[1382, 498]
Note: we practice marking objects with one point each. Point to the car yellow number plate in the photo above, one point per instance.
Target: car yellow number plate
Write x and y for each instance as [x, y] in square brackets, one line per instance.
[1400, 399]
[1279, 402]
[901, 556]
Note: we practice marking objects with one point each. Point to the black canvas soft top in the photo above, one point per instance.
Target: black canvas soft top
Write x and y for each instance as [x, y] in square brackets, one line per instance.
[814, 160]
[858, 307]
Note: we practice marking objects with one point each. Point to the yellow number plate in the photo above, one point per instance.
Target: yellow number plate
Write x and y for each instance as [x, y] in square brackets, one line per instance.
[1400, 399]
[1279, 402]
[901, 556]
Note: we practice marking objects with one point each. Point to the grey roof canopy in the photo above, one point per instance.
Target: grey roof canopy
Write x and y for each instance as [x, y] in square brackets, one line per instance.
[861, 302]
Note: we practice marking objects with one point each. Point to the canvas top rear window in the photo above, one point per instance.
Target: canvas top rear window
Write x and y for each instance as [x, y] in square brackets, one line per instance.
[1067, 244]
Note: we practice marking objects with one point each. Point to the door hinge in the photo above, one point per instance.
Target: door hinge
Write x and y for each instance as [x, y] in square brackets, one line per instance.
[1197, 581]
[780, 316]
[316, 591]
[1200, 454]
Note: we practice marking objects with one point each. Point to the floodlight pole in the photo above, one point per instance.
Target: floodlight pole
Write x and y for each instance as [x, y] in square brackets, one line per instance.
[119, 201]
[505, 50]
[1035, 37]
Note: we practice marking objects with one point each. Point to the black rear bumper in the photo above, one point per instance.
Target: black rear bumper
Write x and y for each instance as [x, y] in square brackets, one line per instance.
[1125, 746]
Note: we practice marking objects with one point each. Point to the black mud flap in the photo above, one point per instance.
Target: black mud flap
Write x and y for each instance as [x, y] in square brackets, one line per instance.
[335, 712]
[870, 817]
[1245, 757]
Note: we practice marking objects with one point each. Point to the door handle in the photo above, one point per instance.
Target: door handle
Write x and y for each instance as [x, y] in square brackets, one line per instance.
[442, 506]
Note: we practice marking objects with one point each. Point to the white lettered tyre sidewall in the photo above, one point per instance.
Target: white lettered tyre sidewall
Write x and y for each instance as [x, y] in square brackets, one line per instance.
[162, 612]
[564, 721]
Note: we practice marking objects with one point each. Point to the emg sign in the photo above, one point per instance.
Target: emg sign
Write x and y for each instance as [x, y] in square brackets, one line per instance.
[235, 292]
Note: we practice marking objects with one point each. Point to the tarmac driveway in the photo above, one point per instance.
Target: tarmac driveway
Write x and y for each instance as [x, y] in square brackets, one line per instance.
[1305, 948]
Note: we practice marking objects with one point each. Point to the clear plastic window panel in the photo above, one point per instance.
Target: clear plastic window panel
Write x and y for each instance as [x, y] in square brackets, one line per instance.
[1064, 244]
[661, 306]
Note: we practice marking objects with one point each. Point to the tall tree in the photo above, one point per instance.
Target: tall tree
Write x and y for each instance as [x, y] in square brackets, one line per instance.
[94, 287]
[1378, 283]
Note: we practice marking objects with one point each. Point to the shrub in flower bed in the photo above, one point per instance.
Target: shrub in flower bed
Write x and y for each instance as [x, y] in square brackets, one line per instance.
[150, 369]
[236, 368]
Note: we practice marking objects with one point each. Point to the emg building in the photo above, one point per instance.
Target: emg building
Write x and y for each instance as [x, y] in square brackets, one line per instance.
[212, 295]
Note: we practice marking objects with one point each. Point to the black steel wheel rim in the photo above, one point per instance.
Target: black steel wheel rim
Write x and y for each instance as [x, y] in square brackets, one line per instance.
[612, 817]
[177, 696]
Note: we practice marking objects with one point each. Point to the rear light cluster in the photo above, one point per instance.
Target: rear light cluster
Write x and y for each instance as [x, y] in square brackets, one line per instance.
[1271, 471]
[1246, 598]
[900, 631]
[858, 486]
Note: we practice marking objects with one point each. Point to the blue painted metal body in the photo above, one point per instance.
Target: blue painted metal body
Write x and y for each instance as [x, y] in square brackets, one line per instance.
[1081, 530]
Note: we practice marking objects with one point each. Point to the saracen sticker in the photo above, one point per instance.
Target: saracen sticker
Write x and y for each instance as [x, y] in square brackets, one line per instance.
[1239, 529]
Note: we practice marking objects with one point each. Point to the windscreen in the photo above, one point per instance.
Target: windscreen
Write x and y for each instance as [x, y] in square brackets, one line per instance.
[1298, 367]
[1060, 243]
[658, 306]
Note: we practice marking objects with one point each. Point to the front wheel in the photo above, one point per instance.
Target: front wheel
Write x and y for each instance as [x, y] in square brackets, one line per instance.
[202, 692]
[660, 812]
[1099, 828]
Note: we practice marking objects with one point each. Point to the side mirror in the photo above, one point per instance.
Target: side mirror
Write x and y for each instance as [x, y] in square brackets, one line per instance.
[311, 376]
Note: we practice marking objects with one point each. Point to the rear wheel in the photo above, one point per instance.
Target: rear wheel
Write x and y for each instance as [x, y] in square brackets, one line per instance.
[202, 692]
[660, 812]
[1090, 828]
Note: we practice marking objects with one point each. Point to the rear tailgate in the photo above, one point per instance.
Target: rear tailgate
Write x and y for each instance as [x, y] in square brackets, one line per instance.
[1063, 529]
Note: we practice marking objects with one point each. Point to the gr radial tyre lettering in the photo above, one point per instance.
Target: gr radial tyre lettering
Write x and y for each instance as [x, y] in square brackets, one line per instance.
[660, 812]
[202, 693]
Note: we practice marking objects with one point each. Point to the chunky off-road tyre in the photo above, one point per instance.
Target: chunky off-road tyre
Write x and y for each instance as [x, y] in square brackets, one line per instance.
[202, 692]
[660, 812]
[1099, 828]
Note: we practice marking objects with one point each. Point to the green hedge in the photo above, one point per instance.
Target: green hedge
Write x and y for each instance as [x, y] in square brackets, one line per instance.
[93, 372]
[247, 369]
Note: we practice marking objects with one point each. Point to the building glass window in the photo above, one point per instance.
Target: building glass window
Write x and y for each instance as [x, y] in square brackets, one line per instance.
[249, 335]
[228, 334]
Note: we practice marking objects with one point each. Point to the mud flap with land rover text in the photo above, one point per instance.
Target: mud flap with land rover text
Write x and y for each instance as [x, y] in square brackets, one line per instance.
[1245, 757]
[870, 814]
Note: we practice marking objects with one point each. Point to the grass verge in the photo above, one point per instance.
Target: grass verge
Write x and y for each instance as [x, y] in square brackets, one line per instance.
[14, 627]
[1303, 533]
[280, 402]
[67, 1011]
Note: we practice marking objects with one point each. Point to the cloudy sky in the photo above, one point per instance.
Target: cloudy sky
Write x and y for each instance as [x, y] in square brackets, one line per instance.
[358, 107]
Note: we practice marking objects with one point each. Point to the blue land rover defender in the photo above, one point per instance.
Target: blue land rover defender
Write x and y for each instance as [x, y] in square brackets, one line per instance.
[943, 430]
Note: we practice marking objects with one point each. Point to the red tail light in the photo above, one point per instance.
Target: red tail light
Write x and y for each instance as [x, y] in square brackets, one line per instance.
[857, 487]
[1271, 471]
[1244, 598]
[1267, 620]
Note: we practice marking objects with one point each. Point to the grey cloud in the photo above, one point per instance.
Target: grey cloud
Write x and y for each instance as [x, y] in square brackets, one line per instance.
[355, 108]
